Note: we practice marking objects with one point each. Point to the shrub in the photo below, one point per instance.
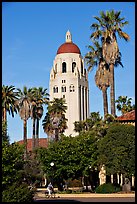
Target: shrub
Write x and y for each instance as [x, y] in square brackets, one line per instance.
[17, 194]
[107, 188]
[68, 191]
[74, 183]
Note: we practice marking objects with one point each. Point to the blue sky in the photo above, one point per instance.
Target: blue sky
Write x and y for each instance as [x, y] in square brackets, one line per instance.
[33, 31]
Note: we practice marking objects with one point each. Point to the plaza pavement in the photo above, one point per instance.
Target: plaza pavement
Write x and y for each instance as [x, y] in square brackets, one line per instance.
[40, 193]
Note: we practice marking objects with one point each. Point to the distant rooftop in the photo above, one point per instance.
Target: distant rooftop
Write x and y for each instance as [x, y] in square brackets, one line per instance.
[43, 142]
[129, 116]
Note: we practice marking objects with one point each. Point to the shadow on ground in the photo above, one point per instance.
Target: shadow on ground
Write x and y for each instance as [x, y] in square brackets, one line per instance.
[55, 201]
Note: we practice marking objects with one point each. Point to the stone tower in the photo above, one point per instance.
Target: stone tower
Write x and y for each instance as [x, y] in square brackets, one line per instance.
[68, 79]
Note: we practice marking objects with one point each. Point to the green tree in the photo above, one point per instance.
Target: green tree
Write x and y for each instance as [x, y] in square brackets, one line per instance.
[89, 123]
[9, 98]
[117, 149]
[79, 126]
[13, 188]
[72, 156]
[124, 104]
[109, 25]
[55, 121]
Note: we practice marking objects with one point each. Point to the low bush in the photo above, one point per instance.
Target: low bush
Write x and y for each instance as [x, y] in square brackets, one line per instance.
[17, 194]
[74, 183]
[107, 188]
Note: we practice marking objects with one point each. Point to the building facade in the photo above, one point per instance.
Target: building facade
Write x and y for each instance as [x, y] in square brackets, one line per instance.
[69, 80]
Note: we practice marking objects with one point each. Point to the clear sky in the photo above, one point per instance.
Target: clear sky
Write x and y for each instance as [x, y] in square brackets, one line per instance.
[33, 31]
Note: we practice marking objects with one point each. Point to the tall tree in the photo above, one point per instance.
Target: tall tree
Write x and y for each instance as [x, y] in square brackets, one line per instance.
[40, 97]
[109, 25]
[24, 104]
[9, 98]
[94, 58]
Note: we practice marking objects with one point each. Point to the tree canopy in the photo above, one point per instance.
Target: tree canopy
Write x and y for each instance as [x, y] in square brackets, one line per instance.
[117, 149]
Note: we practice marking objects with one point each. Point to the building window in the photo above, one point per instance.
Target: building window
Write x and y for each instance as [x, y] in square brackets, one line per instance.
[81, 67]
[63, 96]
[73, 66]
[64, 69]
[55, 89]
[71, 88]
[63, 81]
[55, 68]
[63, 88]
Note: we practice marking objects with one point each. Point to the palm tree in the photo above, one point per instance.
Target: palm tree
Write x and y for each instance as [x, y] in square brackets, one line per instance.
[109, 24]
[102, 78]
[9, 98]
[55, 120]
[40, 97]
[124, 104]
[47, 126]
[24, 104]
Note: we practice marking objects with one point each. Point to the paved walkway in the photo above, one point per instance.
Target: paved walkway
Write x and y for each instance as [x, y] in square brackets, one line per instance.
[40, 193]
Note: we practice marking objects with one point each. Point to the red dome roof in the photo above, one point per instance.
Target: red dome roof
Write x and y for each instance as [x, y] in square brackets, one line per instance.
[68, 47]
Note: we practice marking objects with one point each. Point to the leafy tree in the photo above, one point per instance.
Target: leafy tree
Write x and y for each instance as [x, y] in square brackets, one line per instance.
[13, 189]
[124, 104]
[12, 163]
[109, 25]
[9, 97]
[89, 123]
[117, 149]
[79, 126]
[72, 156]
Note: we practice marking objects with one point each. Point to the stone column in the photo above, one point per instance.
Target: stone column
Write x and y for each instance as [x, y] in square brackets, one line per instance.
[121, 180]
[87, 102]
[111, 178]
[117, 178]
[133, 180]
[82, 103]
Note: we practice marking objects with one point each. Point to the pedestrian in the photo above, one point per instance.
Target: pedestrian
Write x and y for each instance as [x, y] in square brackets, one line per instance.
[50, 189]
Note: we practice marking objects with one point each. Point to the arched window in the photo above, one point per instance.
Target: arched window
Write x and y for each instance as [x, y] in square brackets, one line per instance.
[64, 69]
[55, 68]
[63, 88]
[73, 66]
[55, 89]
[71, 88]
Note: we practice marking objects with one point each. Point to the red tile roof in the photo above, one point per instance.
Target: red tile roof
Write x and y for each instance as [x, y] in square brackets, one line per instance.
[129, 116]
[68, 47]
[43, 142]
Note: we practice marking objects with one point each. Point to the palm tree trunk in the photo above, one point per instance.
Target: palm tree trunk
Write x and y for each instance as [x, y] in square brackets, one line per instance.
[105, 101]
[25, 138]
[112, 90]
[4, 115]
[56, 134]
[33, 136]
[37, 133]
